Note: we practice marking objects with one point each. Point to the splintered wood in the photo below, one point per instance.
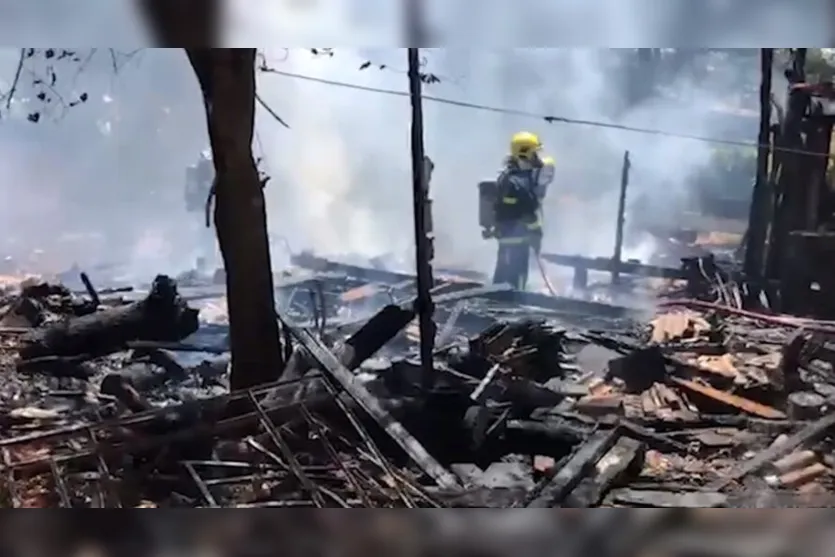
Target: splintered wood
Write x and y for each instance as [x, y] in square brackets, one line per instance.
[732, 400]
[678, 325]
[553, 403]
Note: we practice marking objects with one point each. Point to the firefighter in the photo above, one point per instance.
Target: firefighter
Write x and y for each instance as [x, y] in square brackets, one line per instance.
[199, 179]
[520, 190]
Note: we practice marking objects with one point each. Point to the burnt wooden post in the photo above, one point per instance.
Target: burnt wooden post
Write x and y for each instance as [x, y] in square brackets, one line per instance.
[621, 220]
[807, 286]
[759, 212]
[424, 249]
[580, 282]
[789, 199]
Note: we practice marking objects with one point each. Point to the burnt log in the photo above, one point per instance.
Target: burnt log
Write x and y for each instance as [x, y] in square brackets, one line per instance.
[162, 316]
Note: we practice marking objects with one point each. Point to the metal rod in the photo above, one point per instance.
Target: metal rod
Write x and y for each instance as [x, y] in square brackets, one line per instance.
[311, 488]
[145, 417]
[201, 485]
[322, 434]
[422, 217]
[105, 485]
[621, 220]
[369, 443]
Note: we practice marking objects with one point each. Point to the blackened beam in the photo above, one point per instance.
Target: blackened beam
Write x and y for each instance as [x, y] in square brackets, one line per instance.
[409, 303]
[211, 291]
[605, 264]
[307, 260]
[468, 293]
[758, 215]
[506, 294]
[617, 257]
[347, 380]
[497, 293]
[424, 249]
[559, 486]
[611, 467]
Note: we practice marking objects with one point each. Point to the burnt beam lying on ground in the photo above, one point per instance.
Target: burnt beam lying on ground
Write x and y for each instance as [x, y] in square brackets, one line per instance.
[347, 381]
[554, 490]
[161, 316]
[494, 293]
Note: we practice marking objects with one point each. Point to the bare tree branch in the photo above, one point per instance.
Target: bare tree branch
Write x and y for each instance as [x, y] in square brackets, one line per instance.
[16, 79]
[113, 60]
[271, 111]
[83, 65]
[44, 83]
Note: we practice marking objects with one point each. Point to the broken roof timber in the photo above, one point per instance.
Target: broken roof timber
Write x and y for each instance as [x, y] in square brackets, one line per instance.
[371, 405]
[498, 293]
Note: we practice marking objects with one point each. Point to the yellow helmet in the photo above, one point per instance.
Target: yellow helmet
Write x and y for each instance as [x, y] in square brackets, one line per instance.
[524, 145]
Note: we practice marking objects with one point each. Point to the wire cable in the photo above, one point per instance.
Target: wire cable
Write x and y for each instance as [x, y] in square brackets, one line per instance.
[547, 118]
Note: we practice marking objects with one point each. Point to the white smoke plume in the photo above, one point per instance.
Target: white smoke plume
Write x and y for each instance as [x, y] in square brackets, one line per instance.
[104, 180]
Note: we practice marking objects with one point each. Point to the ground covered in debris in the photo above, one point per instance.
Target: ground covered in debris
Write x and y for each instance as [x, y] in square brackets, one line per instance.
[118, 398]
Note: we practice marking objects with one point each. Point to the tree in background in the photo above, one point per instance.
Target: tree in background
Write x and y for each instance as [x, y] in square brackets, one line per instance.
[227, 81]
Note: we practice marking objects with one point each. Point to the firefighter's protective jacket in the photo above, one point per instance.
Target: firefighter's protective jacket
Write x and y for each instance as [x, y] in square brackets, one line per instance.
[520, 192]
[199, 178]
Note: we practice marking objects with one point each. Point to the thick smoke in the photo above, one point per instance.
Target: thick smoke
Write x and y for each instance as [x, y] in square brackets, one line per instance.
[350, 154]
[100, 181]
[103, 181]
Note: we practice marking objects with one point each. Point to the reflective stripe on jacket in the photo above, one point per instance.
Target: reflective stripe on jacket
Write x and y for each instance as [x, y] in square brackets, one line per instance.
[518, 214]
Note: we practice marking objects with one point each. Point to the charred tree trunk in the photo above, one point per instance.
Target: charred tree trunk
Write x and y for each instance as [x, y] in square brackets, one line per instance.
[161, 316]
[227, 80]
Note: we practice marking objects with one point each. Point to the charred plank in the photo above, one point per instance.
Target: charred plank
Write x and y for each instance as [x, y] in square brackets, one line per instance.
[609, 470]
[552, 492]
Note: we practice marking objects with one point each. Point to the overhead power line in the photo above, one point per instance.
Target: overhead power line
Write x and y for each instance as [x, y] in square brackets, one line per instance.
[547, 118]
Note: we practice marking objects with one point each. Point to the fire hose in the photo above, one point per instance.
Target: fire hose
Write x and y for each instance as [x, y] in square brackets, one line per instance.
[486, 233]
[545, 279]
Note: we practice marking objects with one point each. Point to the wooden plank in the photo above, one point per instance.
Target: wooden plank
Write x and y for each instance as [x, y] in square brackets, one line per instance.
[553, 491]
[729, 399]
[348, 381]
[606, 264]
[668, 499]
[359, 292]
[608, 471]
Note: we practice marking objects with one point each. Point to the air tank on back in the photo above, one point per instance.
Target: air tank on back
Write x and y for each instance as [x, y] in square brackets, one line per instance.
[487, 192]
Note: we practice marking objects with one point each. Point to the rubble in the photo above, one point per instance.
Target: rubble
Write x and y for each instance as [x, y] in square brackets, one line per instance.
[536, 401]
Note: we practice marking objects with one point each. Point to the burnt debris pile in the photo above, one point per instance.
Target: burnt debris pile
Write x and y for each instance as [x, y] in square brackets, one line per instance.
[118, 399]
